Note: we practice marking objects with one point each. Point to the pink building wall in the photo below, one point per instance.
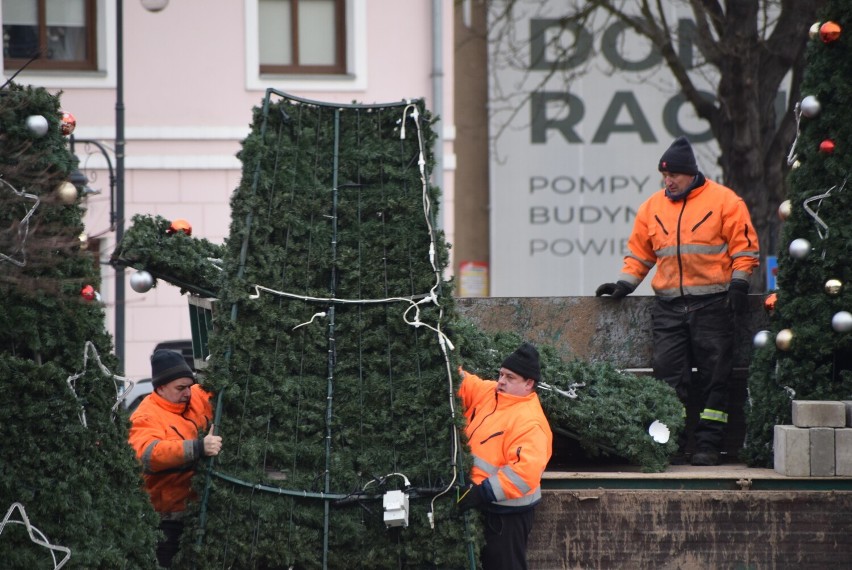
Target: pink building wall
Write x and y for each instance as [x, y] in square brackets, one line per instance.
[189, 90]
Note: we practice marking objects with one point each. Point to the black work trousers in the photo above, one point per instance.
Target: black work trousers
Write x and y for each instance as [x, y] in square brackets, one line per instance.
[169, 546]
[506, 537]
[697, 331]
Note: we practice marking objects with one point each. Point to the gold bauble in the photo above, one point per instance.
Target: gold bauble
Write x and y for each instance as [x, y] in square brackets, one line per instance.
[813, 32]
[833, 287]
[785, 209]
[784, 339]
[67, 193]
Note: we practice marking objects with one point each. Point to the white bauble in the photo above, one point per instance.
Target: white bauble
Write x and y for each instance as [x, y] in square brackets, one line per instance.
[761, 339]
[37, 125]
[842, 321]
[800, 248]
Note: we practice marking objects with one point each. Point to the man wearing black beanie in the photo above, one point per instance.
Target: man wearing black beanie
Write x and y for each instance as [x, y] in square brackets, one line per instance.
[699, 235]
[511, 443]
[171, 431]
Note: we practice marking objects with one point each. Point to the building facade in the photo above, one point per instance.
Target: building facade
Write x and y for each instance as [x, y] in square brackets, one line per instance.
[188, 74]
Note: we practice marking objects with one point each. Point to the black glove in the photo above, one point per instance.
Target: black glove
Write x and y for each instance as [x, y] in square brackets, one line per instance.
[738, 296]
[470, 497]
[615, 290]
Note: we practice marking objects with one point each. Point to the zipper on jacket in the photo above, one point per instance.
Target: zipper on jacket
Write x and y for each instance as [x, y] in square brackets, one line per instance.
[493, 435]
[662, 226]
[704, 219]
[177, 432]
[483, 419]
[518, 452]
[679, 259]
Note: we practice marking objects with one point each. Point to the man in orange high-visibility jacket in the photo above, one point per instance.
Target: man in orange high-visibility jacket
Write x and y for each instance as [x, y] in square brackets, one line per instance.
[170, 432]
[511, 443]
[699, 235]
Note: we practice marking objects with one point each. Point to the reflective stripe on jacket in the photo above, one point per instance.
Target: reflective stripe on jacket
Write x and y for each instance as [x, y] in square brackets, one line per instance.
[698, 244]
[167, 440]
[510, 439]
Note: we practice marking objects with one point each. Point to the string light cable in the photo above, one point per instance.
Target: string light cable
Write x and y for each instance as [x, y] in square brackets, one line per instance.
[120, 394]
[36, 536]
[23, 226]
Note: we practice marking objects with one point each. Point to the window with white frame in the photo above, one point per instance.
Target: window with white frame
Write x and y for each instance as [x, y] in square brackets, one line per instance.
[302, 36]
[59, 34]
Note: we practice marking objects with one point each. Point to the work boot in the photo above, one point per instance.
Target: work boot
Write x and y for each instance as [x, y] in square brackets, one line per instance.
[705, 458]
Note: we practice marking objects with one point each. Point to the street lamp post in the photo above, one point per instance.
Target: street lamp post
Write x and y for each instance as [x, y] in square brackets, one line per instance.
[151, 6]
[119, 179]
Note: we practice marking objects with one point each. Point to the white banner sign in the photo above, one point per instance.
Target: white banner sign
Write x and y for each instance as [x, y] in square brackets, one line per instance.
[579, 118]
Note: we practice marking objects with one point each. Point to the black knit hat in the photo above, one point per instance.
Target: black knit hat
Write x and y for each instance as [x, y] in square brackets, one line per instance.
[168, 365]
[524, 362]
[679, 158]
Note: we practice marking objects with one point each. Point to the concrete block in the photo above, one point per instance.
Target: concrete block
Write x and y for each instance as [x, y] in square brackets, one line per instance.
[843, 452]
[792, 448]
[848, 404]
[822, 452]
[818, 413]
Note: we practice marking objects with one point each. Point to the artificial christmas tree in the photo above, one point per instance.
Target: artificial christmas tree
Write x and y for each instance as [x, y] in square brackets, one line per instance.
[67, 476]
[807, 352]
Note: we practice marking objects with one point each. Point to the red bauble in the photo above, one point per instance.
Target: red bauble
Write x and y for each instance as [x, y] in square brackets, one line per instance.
[180, 225]
[88, 293]
[829, 32]
[826, 146]
[770, 302]
[67, 123]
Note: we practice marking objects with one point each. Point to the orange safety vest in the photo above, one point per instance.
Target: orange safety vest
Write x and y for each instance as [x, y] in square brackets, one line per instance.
[510, 440]
[167, 439]
[698, 244]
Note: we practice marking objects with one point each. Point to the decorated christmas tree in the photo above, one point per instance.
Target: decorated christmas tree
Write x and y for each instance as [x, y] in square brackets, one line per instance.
[334, 348]
[70, 487]
[807, 352]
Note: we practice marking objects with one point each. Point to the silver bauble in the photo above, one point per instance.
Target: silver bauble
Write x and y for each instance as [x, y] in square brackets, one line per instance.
[833, 286]
[37, 125]
[842, 321]
[761, 339]
[785, 209]
[810, 107]
[141, 281]
[800, 248]
[784, 339]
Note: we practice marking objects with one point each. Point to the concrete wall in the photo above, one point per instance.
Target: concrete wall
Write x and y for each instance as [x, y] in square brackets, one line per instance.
[592, 328]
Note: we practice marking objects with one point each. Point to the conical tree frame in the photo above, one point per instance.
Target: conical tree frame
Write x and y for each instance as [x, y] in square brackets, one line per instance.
[332, 376]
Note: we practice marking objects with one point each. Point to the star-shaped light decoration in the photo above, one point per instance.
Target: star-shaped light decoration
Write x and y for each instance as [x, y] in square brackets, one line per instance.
[23, 228]
[822, 227]
[35, 534]
[120, 394]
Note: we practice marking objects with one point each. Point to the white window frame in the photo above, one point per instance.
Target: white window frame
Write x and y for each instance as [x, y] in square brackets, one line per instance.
[355, 78]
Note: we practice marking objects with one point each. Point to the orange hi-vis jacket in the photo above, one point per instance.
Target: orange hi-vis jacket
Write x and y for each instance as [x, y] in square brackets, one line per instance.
[510, 440]
[167, 439]
[698, 243]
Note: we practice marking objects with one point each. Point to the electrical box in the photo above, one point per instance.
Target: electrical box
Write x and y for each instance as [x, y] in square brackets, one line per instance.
[396, 509]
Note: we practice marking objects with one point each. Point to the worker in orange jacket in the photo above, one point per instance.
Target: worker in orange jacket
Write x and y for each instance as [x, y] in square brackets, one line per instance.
[511, 443]
[699, 235]
[170, 432]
